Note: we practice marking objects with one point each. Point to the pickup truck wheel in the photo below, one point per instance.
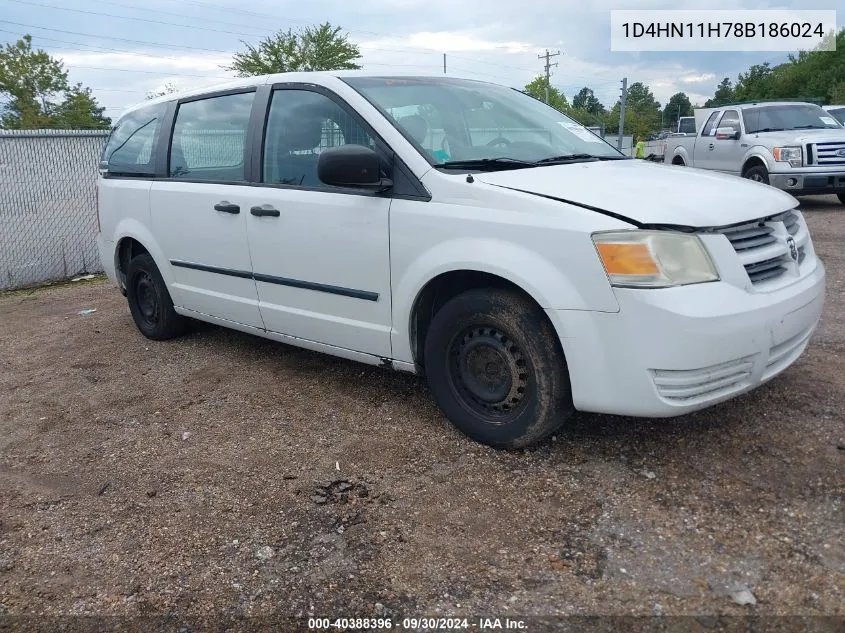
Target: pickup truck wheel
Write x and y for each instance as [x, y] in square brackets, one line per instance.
[841, 196]
[757, 173]
[495, 368]
[149, 301]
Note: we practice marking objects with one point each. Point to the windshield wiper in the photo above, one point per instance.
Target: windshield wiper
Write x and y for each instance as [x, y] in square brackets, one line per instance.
[809, 127]
[488, 164]
[768, 129]
[573, 158]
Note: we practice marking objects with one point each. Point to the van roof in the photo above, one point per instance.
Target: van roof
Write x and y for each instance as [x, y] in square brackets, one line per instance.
[325, 78]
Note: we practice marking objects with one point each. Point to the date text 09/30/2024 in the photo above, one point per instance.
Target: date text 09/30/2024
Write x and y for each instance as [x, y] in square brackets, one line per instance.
[418, 624]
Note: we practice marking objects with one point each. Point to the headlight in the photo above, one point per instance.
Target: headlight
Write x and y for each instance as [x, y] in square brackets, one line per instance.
[791, 155]
[654, 259]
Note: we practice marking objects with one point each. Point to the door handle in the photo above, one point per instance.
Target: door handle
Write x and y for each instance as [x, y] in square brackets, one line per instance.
[227, 207]
[712, 146]
[265, 212]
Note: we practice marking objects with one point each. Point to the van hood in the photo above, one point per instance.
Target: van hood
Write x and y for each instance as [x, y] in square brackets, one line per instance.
[647, 193]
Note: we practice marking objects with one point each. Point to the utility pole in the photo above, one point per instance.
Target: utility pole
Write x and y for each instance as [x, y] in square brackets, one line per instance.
[622, 113]
[444, 63]
[547, 55]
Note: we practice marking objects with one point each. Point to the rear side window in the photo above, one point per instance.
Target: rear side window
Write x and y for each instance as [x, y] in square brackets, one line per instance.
[709, 125]
[730, 119]
[687, 126]
[209, 138]
[130, 150]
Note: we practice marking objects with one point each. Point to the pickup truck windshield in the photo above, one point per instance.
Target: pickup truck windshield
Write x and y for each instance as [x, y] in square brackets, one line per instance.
[458, 123]
[775, 118]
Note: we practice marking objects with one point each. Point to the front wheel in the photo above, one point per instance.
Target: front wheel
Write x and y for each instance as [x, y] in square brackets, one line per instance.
[758, 173]
[495, 368]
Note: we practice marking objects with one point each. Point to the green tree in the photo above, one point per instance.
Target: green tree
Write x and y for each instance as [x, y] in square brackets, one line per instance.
[757, 83]
[837, 93]
[29, 82]
[807, 75]
[724, 94]
[679, 105]
[642, 112]
[537, 89]
[80, 111]
[586, 100]
[321, 47]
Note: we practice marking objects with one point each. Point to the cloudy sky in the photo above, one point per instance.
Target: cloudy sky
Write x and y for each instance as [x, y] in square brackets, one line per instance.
[124, 48]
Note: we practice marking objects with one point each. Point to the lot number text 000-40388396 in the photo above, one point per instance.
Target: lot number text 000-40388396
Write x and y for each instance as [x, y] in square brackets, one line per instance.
[722, 30]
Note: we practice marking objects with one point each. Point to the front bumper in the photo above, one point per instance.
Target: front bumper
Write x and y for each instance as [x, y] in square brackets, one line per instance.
[807, 182]
[672, 351]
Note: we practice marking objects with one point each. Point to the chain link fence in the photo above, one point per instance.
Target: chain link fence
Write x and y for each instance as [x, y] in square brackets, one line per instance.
[48, 205]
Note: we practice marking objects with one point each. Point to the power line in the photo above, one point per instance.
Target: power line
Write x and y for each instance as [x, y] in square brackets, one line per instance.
[120, 39]
[124, 17]
[95, 49]
[146, 72]
[178, 15]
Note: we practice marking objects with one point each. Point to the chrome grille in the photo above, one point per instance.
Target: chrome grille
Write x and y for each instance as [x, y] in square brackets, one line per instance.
[828, 153]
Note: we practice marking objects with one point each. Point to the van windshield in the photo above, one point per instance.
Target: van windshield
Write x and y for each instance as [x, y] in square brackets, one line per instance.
[798, 116]
[462, 123]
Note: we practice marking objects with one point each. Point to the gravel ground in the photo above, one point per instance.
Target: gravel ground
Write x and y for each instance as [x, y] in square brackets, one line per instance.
[227, 476]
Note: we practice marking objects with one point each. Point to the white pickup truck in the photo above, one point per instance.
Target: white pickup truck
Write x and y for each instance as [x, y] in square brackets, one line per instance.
[797, 147]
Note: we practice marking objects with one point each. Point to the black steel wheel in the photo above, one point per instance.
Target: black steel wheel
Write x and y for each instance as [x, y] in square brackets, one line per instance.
[758, 173]
[149, 301]
[488, 372]
[495, 367]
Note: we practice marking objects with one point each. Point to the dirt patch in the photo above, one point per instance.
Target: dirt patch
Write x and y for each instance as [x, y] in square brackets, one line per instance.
[225, 475]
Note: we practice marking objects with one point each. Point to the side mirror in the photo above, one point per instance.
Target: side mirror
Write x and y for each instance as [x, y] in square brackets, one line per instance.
[353, 166]
[727, 133]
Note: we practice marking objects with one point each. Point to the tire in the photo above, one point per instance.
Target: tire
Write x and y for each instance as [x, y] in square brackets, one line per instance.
[521, 393]
[841, 196]
[150, 302]
[757, 173]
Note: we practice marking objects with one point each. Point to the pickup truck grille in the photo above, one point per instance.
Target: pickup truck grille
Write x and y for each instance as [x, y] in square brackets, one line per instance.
[764, 254]
[828, 153]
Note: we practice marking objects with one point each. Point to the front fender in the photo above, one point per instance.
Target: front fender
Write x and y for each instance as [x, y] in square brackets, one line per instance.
[762, 152]
[545, 282]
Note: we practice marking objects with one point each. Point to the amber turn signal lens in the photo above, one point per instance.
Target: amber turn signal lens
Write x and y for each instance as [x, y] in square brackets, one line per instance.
[627, 259]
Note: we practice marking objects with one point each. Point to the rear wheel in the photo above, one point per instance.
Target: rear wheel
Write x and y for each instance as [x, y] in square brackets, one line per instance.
[841, 197]
[757, 173]
[149, 301]
[495, 368]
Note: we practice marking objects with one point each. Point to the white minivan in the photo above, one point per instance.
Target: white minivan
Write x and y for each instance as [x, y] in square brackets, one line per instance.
[461, 230]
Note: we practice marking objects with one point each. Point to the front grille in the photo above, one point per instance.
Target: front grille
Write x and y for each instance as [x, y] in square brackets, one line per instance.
[828, 153]
[686, 385]
[767, 269]
[750, 236]
[762, 250]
